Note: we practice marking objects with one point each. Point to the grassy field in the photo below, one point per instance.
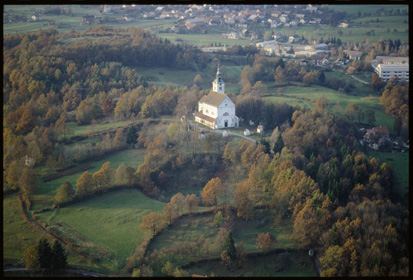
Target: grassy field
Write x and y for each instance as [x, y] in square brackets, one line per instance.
[192, 228]
[110, 220]
[17, 234]
[293, 95]
[46, 191]
[299, 265]
[352, 10]
[187, 229]
[400, 163]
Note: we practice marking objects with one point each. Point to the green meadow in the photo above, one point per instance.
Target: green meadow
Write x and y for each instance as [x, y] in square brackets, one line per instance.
[17, 234]
[305, 96]
[400, 163]
[110, 220]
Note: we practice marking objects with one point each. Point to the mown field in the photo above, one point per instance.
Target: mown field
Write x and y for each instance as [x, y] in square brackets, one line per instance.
[17, 234]
[110, 220]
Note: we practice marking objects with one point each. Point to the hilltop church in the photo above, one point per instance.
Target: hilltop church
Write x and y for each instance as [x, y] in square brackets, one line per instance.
[216, 109]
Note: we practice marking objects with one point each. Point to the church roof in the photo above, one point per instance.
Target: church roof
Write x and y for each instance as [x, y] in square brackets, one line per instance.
[213, 98]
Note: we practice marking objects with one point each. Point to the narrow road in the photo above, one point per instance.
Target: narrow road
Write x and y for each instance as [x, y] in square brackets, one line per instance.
[75, 271]
[220, 131]
[361, 81]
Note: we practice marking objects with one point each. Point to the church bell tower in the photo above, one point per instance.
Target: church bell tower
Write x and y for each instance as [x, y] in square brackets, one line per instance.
[218, 84]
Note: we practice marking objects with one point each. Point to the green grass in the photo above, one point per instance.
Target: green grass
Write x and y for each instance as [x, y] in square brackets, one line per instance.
[352, 10]
[185, 229]
[101, 125]
[293, 95]
[17, 234]
[400, 163]
[263, 266]
[46, 191]
[110, 220]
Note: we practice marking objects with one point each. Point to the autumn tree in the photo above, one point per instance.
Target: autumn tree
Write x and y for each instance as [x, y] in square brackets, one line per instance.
[104, 176]
[12, 174]
[119, 141]
[218, 219]
[244, 204]
[351, 111]
[279, 76]
[31, 257]
[168, 269]
[264, 241]
[27, 183]
[64, 193]
[212, 191]
[191, 203]
[198, 80]
[121, 177]
[84, 183]
[332, 262]
[153, 222]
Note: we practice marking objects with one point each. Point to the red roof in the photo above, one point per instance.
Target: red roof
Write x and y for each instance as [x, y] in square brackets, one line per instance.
[383, 130]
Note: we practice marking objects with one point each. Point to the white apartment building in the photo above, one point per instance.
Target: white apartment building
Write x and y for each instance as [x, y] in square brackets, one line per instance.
[387, 67]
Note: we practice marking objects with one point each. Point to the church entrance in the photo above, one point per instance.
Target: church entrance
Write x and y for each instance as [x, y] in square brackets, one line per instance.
[226, 123]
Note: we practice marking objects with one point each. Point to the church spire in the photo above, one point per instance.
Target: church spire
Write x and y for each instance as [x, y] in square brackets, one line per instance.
[218, 84]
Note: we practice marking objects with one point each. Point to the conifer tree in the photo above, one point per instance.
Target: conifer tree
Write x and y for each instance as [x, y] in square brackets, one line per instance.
[59, 260]
[278, 145]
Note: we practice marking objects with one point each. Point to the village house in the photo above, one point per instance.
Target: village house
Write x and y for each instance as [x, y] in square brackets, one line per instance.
[36, 17]
[216, 109]
[377, 137]
[191, 23]
[319, 59]
[353, 55]
[343, 24]
[294, 39]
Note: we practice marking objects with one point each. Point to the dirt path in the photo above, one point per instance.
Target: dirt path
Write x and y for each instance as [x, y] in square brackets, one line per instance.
[221, 131]
[361, 81]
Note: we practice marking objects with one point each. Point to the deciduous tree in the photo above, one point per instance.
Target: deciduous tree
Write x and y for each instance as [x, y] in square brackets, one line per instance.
[153, 222]
[264, 241]
[64, 193]
[212, 191]
[84, 184]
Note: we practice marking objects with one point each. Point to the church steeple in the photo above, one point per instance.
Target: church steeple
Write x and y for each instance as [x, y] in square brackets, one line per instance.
[218, 84]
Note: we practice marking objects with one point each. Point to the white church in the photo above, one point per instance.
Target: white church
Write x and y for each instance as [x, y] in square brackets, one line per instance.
[216, 109]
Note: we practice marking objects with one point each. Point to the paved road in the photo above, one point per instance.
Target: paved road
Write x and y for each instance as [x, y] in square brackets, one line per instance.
[361, 81]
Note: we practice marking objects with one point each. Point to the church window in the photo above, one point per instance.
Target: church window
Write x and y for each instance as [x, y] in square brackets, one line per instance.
[226, 114]
[226, 104]
[220, 88]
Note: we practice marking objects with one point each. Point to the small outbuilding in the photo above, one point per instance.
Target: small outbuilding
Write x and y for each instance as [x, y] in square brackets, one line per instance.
[260, 129]
[225, 133]
[247, 132]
